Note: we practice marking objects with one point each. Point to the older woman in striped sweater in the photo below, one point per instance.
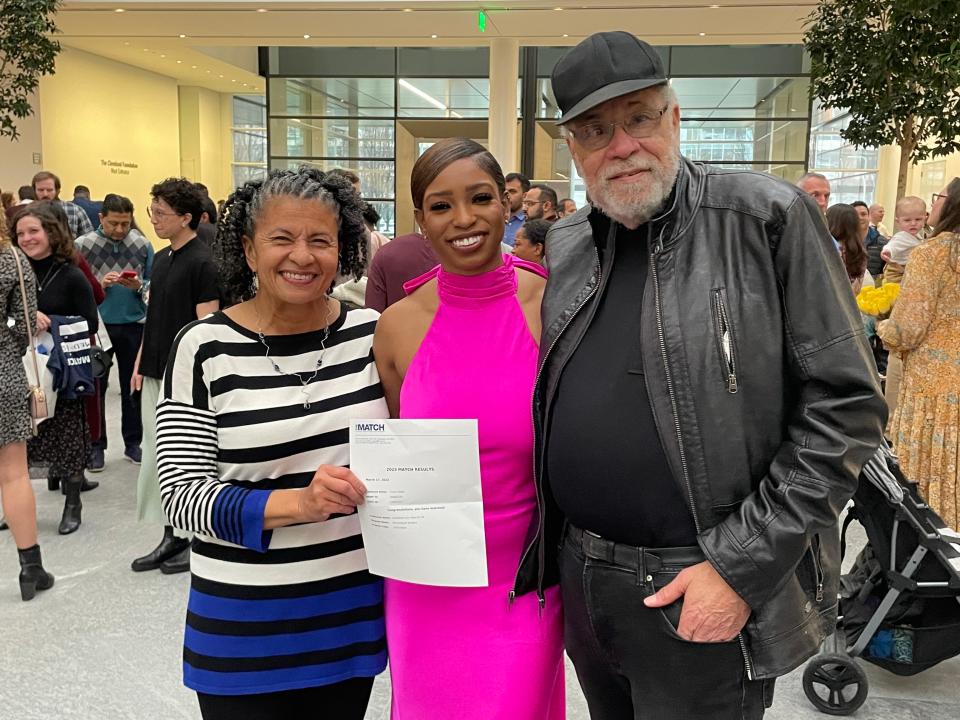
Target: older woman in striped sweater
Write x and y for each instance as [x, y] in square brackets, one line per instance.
[283, 619]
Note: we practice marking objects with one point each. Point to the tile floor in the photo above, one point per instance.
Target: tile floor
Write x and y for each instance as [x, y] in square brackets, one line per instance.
[105, 643]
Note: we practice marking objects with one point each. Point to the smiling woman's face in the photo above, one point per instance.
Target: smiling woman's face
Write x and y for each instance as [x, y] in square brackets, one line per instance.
[463, 217]
[294, 250]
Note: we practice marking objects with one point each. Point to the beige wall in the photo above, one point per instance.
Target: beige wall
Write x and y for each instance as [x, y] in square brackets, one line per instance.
[97, 113]
[405, 150]
[17, 165]
[918, 182]
[205, 150]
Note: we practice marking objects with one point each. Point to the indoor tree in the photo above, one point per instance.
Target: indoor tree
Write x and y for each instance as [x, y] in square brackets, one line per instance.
[27, 52]
[895, 64]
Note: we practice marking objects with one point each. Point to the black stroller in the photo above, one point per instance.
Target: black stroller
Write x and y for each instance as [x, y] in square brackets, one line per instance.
[900, 603]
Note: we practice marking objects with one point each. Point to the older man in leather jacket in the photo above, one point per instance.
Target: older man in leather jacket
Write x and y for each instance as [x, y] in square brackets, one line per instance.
[705, 402]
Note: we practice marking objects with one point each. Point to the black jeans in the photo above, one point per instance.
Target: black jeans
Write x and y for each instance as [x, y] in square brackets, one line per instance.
[126, 340]
[630, 661]
[345, 700]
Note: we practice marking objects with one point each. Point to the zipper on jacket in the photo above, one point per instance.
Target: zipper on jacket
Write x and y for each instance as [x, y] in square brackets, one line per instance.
[725, 338]
[817, 566]
[654, 254]
[533, 411]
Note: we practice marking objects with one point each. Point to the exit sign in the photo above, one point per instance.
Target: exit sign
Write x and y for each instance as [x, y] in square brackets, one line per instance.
[482, 21]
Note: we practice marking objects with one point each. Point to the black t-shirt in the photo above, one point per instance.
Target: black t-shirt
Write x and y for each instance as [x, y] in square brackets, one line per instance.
[606, 467]
[181, 280]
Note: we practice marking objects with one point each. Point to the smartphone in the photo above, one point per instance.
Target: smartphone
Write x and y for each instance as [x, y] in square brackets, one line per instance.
[129, 274]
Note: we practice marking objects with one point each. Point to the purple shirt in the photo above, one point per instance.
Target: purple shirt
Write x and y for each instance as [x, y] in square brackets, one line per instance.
[403, 258]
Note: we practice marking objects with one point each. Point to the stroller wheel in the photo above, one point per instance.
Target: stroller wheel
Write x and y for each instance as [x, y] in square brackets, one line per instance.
[835, 684]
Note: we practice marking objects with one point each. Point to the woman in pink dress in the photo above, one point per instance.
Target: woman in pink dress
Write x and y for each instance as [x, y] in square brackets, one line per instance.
[463, 344]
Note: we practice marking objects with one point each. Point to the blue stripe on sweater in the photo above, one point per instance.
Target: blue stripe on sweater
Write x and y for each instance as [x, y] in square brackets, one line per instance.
[238, 517]
[289, 644]
[246, 683]
[285, 609]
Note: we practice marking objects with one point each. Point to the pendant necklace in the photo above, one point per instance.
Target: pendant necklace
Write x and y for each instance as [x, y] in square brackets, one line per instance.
[304, 381]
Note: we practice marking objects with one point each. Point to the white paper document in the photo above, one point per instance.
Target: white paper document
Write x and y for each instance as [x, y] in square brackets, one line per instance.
[422, 519]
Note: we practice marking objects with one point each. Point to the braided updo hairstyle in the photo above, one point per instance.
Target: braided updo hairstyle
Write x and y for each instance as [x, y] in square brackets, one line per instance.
[243, 208]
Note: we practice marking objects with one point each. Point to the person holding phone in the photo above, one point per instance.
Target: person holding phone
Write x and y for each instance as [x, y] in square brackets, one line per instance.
[121, 258]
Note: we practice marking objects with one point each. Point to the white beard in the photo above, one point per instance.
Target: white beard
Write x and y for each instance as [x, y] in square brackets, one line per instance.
[633, 204]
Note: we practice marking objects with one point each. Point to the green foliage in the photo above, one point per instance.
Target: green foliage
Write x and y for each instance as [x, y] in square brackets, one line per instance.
[26, 53]
[896, 65]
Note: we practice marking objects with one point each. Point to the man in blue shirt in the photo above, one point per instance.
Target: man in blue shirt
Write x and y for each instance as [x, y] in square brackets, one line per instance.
[517, 185]
[93, 208]
[122, 259]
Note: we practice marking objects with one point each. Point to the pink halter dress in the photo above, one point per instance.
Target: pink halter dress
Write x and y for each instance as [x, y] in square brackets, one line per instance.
[469, 653]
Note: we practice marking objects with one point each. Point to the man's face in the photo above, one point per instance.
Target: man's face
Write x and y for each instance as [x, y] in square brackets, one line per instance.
[515, 195]
[876, 214]
[116, 225]
[630, 178]
[819, 190]
[45, 189]
[166, 221]
[864, 216]
[532, 204]
[568, 207]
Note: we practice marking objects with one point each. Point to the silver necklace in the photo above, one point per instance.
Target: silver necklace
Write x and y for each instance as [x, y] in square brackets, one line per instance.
[304, 381]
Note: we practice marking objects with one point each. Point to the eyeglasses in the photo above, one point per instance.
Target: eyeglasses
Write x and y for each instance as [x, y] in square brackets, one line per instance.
[531, 203]
[937, 196]
[159, 215]
[597, 135]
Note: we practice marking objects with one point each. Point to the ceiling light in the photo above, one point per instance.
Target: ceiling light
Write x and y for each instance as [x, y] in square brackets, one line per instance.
[163, 56]
[558, 9]
[420, 93]
[261, 10]
[179, 62]
[703, 34]
[434, 36]
[565, 35]
[408, 9]
[221, 76]
[306, 37]
[208, 72]
[233, 81]
[182, 35]
[126, 43]
[193, 67]
[714, 7]
[119, 10]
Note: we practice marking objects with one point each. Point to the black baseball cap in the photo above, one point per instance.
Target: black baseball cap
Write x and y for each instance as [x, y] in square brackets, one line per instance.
[604, 66]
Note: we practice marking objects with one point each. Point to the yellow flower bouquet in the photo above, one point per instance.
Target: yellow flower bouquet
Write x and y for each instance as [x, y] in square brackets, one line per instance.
[877, 302]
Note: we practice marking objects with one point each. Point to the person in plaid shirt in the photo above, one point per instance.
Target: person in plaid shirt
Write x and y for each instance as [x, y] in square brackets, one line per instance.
[46, 185]
[121, 259]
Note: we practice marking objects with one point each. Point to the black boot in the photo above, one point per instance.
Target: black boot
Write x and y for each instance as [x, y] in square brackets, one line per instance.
[53, 483]
[87, 484]
[70, 521]
[32, 575]
[178, 563]
[168, 547]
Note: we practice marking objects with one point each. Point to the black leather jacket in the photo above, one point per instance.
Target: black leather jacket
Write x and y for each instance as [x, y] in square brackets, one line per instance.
[766, 435]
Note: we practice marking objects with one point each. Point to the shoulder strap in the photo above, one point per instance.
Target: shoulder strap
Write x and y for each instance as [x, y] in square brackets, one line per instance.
[26, 313]
[411, 285]
[535, 268]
